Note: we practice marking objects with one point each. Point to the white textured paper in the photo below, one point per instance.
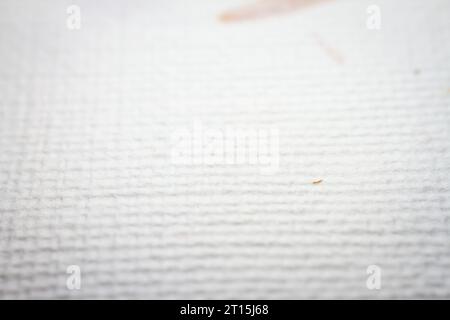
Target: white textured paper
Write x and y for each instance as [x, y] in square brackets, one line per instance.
[86, 177]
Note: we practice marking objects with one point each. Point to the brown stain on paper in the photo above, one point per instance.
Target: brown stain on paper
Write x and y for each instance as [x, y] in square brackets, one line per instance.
[265, 8]
[333, 53]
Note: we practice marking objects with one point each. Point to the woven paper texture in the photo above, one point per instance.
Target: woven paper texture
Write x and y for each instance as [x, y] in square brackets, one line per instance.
[87, 176]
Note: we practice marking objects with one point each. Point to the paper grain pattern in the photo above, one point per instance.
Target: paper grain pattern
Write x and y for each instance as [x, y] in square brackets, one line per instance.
[86, 176]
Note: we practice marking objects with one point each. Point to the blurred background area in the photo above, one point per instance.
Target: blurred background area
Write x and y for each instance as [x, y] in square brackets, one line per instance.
[86, 116]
